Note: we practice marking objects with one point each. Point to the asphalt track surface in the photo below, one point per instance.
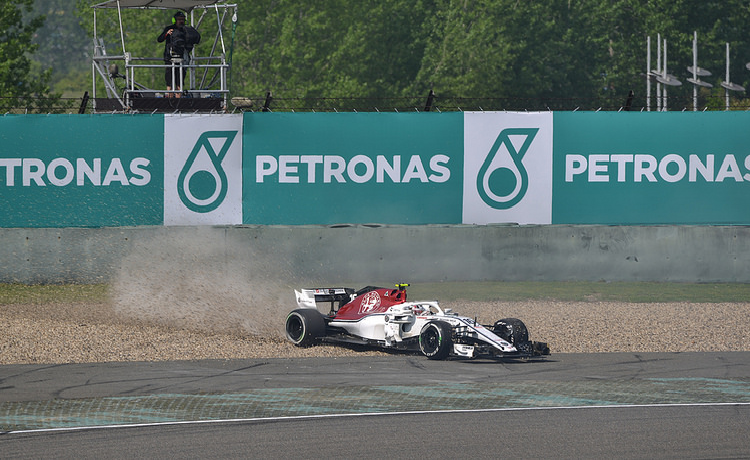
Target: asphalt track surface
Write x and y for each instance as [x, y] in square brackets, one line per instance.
[617, 405]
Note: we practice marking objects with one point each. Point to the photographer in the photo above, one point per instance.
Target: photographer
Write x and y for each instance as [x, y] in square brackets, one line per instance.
[180, 40]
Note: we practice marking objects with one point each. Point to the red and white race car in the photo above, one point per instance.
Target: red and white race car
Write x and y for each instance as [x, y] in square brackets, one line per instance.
[382, 317]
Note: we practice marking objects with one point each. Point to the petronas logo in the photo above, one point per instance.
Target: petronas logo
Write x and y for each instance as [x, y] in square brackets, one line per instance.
[202, 183]
[502, 180]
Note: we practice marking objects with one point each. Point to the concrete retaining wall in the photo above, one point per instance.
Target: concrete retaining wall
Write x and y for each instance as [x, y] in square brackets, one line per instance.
[386, 253]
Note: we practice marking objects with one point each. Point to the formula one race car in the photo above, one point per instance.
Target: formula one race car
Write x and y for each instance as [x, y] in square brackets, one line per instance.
[381, 317]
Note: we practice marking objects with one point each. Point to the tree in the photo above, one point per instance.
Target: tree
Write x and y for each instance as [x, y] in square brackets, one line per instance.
[64, 46]
[514, 50]
[556, 53]
[18, 86]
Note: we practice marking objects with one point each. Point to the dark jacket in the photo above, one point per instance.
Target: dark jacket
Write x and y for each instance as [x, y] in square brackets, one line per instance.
[182, 39]
[168, 45]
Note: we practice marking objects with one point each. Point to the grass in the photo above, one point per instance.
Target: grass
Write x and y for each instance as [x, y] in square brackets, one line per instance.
[52, 293]
[578, 291]
[583, 291]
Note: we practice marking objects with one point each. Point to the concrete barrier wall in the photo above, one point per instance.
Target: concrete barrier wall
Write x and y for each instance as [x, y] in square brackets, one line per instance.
[384, 253]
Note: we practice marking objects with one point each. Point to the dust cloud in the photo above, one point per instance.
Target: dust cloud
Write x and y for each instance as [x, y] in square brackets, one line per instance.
[196, 279]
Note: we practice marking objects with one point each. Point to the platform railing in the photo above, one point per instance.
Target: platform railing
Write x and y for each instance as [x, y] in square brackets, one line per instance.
[179, 69]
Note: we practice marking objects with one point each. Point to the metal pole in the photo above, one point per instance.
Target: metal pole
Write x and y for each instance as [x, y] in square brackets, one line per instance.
[658, 69]
[128, 81]
[191, 81]
[648, 73]
[122, 35]
[220, 22]
[93, 83]
[695, 70]
[93, 66]
[122, 40]
[222, 74]
[726, 91]
[213, 49]
[664, 103]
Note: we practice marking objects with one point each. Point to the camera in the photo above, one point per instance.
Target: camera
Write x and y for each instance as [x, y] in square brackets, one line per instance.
[183, 40]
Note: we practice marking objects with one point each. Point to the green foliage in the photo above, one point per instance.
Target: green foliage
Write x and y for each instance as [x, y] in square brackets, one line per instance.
[556, 49]
[19, 86]
[333, 48]
[63, 44]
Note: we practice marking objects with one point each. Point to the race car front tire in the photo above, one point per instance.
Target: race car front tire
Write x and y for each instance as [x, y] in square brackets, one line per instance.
[435, 340]
[515, 331]
[304, 327]
[511, 329]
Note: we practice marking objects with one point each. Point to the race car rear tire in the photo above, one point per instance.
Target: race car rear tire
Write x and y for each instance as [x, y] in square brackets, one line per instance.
[304, 327]
[511, 329]
[435, 340]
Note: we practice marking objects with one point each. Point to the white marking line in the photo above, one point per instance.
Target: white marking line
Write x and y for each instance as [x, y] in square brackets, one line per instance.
[366, 414]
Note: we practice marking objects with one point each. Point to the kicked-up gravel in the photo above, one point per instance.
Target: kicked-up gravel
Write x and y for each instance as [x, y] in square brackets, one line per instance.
[55, 333]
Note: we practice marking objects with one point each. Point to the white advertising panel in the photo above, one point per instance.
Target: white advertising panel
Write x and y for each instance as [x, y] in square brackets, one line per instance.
[507, 168]
[202, 169]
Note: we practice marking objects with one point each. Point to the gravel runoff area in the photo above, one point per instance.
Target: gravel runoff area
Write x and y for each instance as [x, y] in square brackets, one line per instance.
[103, 332]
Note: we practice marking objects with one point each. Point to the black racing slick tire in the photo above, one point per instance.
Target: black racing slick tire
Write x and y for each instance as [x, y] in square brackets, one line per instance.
[511, 329]
[304, 327]
[435, 340]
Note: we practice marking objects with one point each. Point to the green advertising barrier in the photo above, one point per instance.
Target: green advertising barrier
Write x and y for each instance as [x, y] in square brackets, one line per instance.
[626, 168]
[386, 168]
[81, 171]
[328, 168]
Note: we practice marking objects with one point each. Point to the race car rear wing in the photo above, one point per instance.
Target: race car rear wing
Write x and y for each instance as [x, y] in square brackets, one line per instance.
[337, 297]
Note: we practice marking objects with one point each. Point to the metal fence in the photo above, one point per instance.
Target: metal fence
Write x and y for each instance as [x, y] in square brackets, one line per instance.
[430, 102]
